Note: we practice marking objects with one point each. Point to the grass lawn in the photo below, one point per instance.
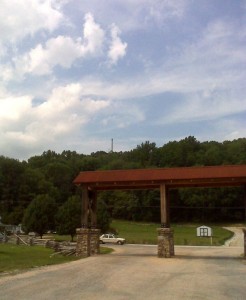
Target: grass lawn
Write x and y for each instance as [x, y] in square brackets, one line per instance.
[18, 257]
[106, 250]
[15, 258]
[146, 233]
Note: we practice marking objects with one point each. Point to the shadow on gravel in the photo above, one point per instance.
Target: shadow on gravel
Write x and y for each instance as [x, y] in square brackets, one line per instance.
[193, 257]
[134, 255]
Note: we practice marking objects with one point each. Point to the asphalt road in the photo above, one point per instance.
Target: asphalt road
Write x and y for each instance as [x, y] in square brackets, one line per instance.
[135, 272]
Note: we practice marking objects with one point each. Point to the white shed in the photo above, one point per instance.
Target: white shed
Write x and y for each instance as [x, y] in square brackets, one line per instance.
[204, 231]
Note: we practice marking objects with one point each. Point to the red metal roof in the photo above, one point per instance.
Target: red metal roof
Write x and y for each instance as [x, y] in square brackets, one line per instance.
[173, 177]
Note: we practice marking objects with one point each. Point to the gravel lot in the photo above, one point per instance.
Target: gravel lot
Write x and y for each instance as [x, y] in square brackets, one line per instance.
[134, 272]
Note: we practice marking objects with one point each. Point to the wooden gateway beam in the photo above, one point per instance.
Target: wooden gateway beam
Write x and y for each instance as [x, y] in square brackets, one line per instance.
[216, 176]
[163, 179]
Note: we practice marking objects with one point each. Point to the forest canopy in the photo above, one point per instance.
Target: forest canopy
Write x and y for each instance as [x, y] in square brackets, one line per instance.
[51, 175]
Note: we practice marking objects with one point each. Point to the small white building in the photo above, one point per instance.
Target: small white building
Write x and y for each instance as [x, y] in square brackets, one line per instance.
[204, 231]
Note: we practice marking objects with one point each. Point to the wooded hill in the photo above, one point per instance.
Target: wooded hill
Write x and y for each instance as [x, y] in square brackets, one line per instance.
[52, 174]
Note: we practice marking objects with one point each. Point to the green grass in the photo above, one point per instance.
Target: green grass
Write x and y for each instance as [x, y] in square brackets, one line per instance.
[106, 250]
[15, 258]
[18, 257]
[146, 233]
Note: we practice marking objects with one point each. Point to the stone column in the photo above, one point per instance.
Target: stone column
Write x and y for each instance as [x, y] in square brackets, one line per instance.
[83, 242]
[94, 241]
[165, 242]
[87, 242]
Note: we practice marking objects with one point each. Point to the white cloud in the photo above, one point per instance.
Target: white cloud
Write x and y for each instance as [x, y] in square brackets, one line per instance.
[161, 10]
[224, 129]
[21, 18]
[117, 48]
[6, 73]
[63, 115]
[121, 115]
[93, 35]
[41, 60]
[12, 108]
[199, 108]
[218, 48]
[62, 50]
[133, 15]
[69, 100]
[193, 56]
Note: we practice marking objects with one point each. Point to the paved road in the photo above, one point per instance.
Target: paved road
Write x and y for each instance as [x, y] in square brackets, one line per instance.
[237, 239]
[134, 272]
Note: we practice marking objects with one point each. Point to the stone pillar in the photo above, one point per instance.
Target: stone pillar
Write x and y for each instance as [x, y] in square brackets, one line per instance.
[87, 242]
[244, 232]
[165, 242]
[83, 242]
[94, 241]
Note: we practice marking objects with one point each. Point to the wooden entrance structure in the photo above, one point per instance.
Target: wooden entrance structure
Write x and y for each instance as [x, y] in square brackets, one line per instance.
[164, 179]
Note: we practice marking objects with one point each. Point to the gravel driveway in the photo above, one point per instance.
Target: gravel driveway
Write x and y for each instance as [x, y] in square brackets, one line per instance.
[134, 272]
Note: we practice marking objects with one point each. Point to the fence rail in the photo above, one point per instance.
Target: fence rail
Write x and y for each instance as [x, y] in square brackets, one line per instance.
[64, 248]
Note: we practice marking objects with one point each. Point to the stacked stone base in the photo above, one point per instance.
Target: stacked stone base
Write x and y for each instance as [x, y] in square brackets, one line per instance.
[87, 242]
[165, 242]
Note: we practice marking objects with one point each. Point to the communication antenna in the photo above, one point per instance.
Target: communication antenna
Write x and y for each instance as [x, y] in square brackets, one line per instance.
[112, 145]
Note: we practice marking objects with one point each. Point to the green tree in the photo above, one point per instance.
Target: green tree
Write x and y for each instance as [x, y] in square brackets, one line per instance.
[211, 154]
[68, 217]
[180, 154]
[11, 171]
[59, 174]
[103, 216]
[143, 154]
[39, 215]
[235, 151]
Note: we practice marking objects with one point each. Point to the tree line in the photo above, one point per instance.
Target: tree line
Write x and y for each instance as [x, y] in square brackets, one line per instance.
[50, 177]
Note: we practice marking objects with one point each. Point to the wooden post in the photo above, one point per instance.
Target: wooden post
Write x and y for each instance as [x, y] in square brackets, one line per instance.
[165, 233]
[244, 195]
[93, 209]
[164, 206]
[244, 241]
[88, 236]
[85, 204]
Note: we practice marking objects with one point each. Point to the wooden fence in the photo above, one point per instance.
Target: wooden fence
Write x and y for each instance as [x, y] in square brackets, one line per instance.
[64, 248]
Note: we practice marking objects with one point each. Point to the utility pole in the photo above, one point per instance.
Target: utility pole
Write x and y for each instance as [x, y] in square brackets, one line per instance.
[112, 145]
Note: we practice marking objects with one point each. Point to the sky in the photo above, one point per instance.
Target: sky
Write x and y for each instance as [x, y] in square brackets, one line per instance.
[76, 74]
